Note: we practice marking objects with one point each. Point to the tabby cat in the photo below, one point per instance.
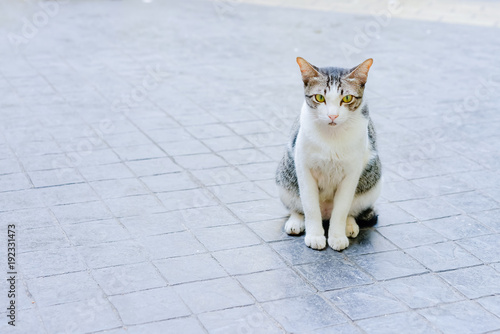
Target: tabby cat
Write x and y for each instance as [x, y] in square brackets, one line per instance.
[331, 169]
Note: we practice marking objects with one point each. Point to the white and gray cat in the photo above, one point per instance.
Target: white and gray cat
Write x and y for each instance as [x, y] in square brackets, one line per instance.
[331, 170]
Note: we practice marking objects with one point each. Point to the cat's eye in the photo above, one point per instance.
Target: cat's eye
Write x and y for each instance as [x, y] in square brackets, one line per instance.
[320, 98]
[347, 99]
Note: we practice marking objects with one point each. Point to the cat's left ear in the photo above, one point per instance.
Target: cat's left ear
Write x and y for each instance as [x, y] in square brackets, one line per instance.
[360, 72]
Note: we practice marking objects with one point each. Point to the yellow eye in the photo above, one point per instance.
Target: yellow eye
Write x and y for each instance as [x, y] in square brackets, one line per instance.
[347, 99]
[319, 98]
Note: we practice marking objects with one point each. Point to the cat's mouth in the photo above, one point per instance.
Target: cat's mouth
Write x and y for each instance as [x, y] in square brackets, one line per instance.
[332, 123]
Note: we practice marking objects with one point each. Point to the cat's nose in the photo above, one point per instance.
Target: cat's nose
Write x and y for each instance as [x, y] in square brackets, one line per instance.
[332, 117]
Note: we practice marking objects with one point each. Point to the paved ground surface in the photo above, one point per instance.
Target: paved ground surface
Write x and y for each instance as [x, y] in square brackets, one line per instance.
[139, 142]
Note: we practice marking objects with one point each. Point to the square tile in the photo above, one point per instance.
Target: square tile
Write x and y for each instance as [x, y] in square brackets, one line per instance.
[128, 278]
[365, 302]
[213, 295]
[247, 319]
[389, 265]
[410, 235]
[226, 237]
[422, 291]
[249, 259]
[406, 322]
[190, 268]
[333, 274]
[275, 284]
[314, 313]
[474, 282]
[443, 256]
[149, 305]
[459, 317]
[171, 245]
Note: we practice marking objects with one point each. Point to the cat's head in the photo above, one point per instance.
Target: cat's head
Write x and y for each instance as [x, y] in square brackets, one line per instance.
[334, 95]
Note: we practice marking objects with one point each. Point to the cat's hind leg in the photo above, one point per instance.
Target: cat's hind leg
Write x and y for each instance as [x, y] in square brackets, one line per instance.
[351, 228]
[295, 224]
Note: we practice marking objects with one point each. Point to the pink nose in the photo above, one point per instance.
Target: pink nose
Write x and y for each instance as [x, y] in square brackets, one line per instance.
[333, 117]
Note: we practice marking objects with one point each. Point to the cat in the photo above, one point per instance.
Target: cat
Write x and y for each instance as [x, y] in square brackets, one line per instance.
[331, 169]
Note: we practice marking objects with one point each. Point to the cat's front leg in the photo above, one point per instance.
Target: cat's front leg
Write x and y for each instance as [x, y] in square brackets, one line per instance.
[343, 198]
[309, 196]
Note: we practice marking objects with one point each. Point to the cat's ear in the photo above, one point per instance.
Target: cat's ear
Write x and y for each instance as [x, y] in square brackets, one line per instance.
[307, 70]
[360, 72]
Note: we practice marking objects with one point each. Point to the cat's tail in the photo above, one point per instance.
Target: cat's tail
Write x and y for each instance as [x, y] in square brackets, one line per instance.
[367, 218]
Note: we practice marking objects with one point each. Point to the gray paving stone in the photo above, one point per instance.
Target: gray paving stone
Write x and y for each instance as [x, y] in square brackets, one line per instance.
[248, 259]
[83, 316]
[149, 305]
[105, 172]
[488, 218]
[134, 206]
[368, 241]
[443, 256]
[472, 202]
[389, 265]
[465, 316]
[169, 182]
[219, 176]
[304, 313]
[96, 232]
[43, 238]
[457, 227]
[68, 194]
[491, 304]
[275, 284]
[128, 278]
[112, 254]
[259, 210]
[81, 212]
[442, 185]
[346, 328]
[410, 235]
[213, 295]
[139, 152]
[484, 247]
[334, 274]
[432, 208]
[244, 156]
[200, 161]
[154, 224]
[181, 325]
[238, 192]
[474, 282]
[171, 245]
[66, 288]
[365, 302]
[406, 322]
[207, 217]
[390, 214]
[152, 167]
[248, 319]
[51, 262]
[270, 230]
[186, 199]
[422, 291]
[118, 188]
[28, 321]
[226, 237]
[190, 268]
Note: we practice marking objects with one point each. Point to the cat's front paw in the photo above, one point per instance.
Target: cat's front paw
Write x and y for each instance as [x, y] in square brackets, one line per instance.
[315, 241]
[295, 224]
[338, 242]
[351, 228]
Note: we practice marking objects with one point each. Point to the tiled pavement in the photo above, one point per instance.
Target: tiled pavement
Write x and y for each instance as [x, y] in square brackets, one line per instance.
[138, 146]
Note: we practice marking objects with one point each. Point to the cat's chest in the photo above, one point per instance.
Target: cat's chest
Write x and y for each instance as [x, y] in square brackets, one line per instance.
[328, 172]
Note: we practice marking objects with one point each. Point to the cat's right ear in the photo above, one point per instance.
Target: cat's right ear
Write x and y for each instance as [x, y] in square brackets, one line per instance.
[307, 70]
